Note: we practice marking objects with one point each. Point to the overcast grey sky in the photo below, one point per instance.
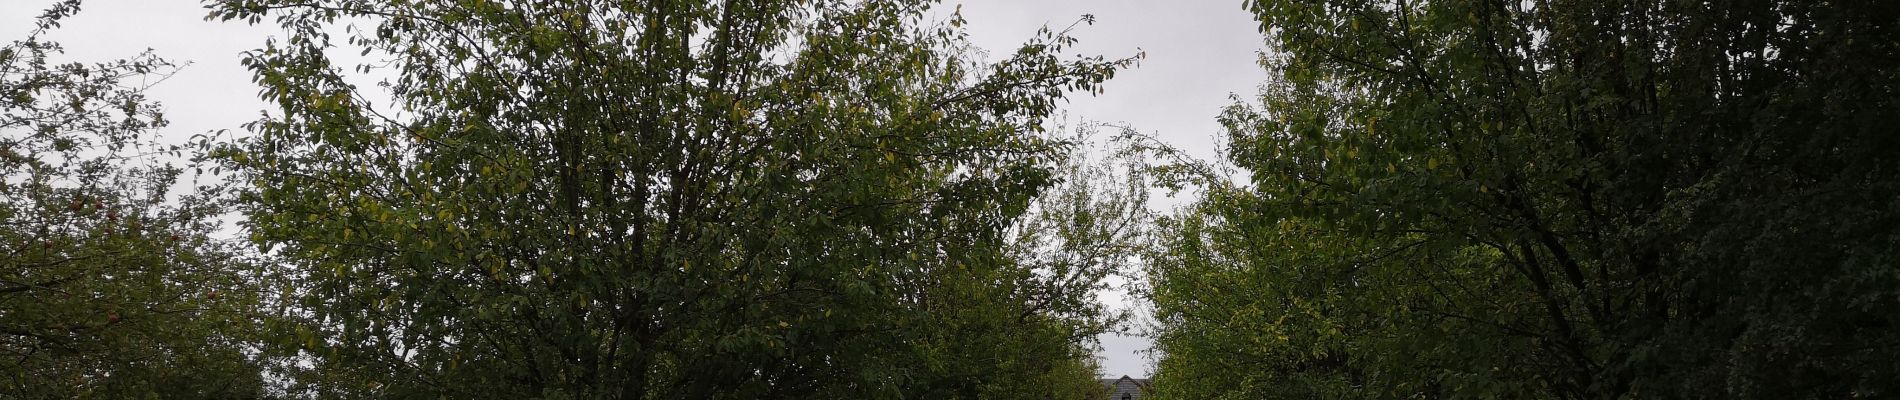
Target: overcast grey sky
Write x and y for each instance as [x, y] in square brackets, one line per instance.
[1199, 52]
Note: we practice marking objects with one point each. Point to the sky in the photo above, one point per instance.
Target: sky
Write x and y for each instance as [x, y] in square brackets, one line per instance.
[1199, 53]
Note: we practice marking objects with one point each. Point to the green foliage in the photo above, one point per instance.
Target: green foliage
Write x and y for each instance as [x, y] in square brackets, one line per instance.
[108, 287]
[1547, 199]
[675, 199]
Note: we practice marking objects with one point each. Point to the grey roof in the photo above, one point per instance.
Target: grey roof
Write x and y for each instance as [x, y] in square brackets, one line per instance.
[1125, 388]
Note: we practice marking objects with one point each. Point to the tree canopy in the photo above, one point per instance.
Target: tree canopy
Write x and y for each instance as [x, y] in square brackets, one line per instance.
[822, 199]
[109, 286]
[1547, 199]
[690, 199]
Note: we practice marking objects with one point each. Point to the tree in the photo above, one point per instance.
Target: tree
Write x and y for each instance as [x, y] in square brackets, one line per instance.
[680, 199]
[109, 287]
[1549, 199]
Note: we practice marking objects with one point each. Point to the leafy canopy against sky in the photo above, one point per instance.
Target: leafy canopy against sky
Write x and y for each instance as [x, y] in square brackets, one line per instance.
[1546, 199]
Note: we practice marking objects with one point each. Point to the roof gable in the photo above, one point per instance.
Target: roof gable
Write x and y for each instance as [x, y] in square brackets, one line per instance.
[1125, 388]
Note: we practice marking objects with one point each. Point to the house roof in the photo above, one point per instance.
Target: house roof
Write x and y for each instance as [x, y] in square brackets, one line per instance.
[1125, 388]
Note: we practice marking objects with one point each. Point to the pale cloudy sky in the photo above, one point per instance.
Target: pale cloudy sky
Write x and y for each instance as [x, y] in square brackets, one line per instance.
[1199, 52]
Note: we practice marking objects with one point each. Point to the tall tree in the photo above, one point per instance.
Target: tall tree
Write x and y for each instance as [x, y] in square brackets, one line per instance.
[1557, 199]
[667, 199]
[111, 284]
